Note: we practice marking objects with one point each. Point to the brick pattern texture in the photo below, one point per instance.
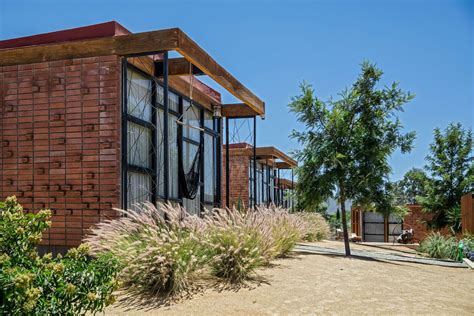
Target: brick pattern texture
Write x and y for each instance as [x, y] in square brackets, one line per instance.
[239, 179]
[60, 141]
[416, 219]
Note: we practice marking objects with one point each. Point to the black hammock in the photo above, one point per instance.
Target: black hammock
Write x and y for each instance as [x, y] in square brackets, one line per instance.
[189, 180]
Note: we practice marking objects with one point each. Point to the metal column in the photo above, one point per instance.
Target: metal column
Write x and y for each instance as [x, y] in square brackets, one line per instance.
[227, 176]
[124, 135]
[166, 162]
[292, 196]
[255, 160]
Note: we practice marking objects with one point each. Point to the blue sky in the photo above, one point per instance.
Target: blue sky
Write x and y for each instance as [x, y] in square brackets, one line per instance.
[271, 46]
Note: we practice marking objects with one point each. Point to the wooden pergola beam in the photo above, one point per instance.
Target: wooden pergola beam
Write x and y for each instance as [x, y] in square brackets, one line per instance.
[237, 110]
[267, 152]
[133, 45]
[283, 165]
[194, 53]
[178, 67]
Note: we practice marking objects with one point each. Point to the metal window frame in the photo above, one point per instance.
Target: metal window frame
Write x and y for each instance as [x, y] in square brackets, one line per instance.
[153, 171]
[253, 160]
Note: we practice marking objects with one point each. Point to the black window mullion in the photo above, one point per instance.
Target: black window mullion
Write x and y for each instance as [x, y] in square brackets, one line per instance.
[124, 134]
[203, 159]
[154, 147]
[180, 144]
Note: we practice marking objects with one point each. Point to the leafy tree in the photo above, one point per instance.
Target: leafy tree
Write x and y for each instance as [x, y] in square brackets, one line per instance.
[412, 185]
[451, 167]
[346, 142]
[338, 214]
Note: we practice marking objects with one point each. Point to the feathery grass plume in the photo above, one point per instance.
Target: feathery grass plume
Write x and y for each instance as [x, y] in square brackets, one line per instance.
[233, 244]
[158, 247]
[316, 228]
[285, 230]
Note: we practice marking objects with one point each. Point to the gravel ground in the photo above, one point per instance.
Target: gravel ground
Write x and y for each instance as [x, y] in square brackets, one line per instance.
[326, 284]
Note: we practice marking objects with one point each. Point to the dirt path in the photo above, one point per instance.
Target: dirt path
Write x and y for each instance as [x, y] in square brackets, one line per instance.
[317, 284]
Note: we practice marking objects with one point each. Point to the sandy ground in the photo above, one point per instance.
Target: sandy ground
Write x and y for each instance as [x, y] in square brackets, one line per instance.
[321, 284]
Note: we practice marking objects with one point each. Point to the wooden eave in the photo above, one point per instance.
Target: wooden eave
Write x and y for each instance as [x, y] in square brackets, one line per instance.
[283, 165]
[286, 183]
[266, 152]
[132, 45]
[237, 110]
[178, 83]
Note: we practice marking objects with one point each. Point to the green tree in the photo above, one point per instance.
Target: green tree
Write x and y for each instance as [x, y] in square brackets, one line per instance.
[451, 168]
[412, 185]
[346, 142]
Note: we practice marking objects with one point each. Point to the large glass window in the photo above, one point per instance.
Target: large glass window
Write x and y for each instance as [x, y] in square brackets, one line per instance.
[139, 145]
[145, 173]
[173, 151]
[139, 95]
[139, 139]
[209, 169]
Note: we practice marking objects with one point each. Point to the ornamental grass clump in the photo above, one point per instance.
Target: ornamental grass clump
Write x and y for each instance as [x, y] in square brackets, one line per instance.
[31, 284]
[316, 228]
[158, 247]
[284, 230]
[234, 244]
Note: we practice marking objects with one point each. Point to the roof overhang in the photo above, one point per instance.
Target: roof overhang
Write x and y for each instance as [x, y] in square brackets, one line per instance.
[136, 44]
[271, 153]
[286, 183]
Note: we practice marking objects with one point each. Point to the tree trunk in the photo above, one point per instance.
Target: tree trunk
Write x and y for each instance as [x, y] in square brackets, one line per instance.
[344, 221]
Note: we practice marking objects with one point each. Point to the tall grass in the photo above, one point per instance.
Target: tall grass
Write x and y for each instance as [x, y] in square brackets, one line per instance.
[233, 243]
[159, 248]
[163, 248]
[316, 228]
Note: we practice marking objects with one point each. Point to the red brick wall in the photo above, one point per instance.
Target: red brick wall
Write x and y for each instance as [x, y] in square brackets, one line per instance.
[416, 218]
[467, 213]
[239, 179]
[60, 141]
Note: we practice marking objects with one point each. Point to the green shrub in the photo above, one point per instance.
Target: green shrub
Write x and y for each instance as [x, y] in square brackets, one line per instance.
[42, 285]
[441, 247]
[438, 246]
[159, 255]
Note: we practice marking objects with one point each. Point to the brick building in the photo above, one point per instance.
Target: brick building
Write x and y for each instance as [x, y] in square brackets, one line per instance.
[262, 186]
[96, 117]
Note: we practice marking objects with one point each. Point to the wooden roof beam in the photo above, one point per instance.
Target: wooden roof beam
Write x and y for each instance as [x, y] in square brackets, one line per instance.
[178, 67]
[237, 110]
[133, 45]
[267, 152]
[194, 53]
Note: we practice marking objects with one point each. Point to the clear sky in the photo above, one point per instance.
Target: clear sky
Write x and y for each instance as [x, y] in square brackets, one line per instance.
[271, 46]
